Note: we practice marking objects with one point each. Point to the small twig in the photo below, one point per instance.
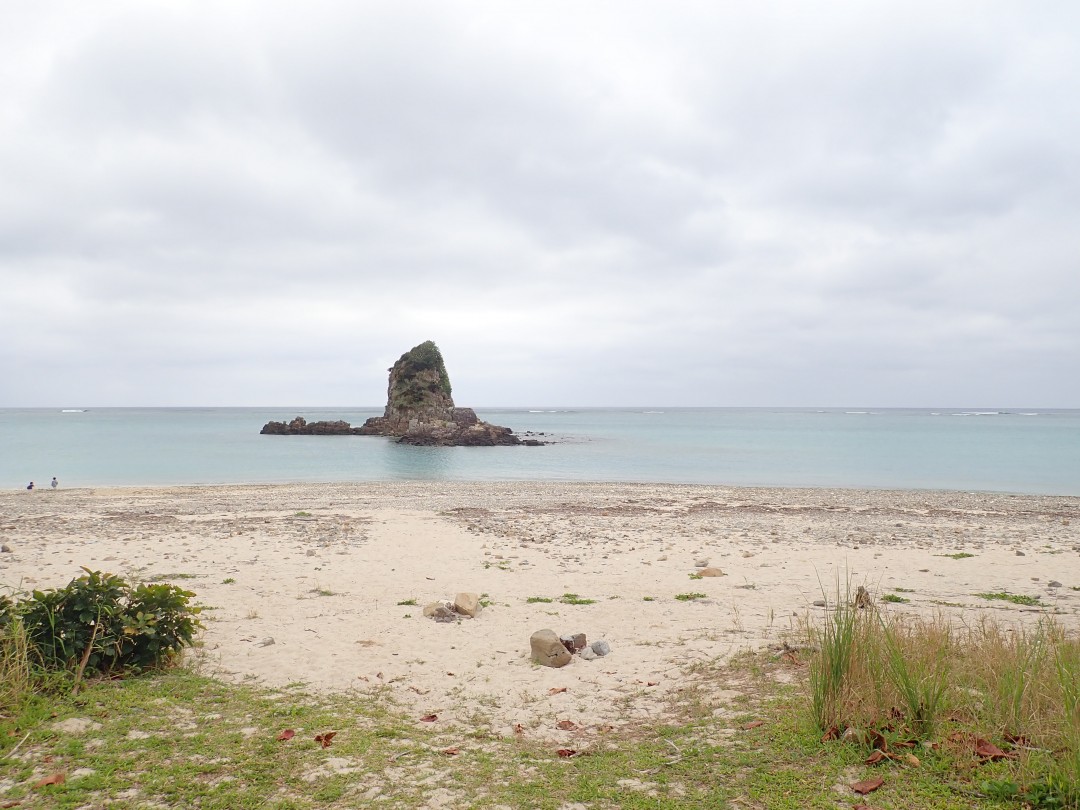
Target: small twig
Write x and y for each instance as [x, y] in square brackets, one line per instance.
[11, 753]
[677, 751]
[396, 757]
[85, 657]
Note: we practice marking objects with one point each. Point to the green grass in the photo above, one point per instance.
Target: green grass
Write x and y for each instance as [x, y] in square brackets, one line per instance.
[960, 555]
[302, 514]
[228, 581]
[892, 597]
[532, 600]
[690, 597]
[408, 602]
[1015, 598]
[574, 599]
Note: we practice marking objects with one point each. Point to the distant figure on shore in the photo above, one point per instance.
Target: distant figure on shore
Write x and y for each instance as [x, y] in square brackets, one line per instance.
[54, 483]
[30, 486]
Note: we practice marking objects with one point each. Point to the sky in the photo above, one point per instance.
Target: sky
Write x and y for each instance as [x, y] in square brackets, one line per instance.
[582, 203]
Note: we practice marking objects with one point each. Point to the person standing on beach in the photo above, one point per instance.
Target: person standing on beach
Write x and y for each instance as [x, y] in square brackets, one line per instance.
[54, 483]
[30, 486]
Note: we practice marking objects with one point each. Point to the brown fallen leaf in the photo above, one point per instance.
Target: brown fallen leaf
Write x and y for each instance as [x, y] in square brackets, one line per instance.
[868, 785]
[451, 752]
[752, 724]
[51, 779]
[429, 718]
[287, 734]
[911, 759]
[325, 739]
[877, 740]
[880, 756]
[1017, 739]
[566, 752]
[833, 733]
[989, 752]
[10, 804]
[566, 725]
[557, 690]
[518, 728]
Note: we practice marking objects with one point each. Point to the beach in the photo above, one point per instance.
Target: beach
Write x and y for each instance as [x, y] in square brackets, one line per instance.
[326, 584]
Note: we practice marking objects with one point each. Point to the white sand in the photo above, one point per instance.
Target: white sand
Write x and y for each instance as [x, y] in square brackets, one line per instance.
[326, 585]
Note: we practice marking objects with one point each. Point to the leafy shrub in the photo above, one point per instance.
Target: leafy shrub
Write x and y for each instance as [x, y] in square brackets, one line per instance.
[101, 623]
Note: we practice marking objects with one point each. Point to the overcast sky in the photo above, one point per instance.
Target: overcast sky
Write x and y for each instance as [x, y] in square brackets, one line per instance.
[582, 203]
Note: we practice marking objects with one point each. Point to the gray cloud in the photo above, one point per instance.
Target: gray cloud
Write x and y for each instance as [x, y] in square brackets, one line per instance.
[759, 204]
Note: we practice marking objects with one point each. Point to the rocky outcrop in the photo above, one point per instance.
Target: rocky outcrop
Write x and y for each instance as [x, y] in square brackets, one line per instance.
[420, 409]
[300, 427]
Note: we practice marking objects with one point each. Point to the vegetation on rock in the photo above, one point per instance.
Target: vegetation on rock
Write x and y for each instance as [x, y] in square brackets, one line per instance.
[417, 375]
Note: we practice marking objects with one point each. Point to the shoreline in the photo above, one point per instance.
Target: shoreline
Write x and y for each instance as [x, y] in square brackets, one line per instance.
[328, 571]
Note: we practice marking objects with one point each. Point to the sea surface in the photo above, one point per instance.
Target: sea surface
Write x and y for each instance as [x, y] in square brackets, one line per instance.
[1021, 451]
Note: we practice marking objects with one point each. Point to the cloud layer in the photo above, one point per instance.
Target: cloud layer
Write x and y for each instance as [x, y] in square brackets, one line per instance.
[583, 204]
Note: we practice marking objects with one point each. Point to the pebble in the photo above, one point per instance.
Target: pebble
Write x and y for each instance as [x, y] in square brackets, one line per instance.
[266, 642]
[601, 648]
[4, 549]
[819, 603]
[1020, 553]
[1053, 584]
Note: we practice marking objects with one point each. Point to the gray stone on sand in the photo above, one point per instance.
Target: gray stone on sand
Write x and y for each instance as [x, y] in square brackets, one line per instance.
[440, 612]
[467, 604]
[588, 654]
[4, 549]
[548, 650]
[600, 648]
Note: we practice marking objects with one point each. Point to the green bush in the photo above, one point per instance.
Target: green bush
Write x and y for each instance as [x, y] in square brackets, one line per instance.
[100, 623]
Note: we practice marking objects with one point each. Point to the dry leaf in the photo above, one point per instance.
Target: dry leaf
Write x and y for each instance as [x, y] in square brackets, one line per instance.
[868, 785]
[52, 779]
[566, 752]
[429, 718]
[566, 725]
[879, 756]
[832, 734]
[753, 724]
[287, 734]
[325, 739]
[555, 690]
[911, 759]
[452, 752]
[988, 751]
[518, 728]
[10, 804]
[653, 683]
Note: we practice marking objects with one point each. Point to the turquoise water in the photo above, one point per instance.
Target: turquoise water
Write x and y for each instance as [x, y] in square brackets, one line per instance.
[952, 449]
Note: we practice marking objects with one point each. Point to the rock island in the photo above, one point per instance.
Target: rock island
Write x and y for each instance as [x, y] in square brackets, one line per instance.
[419, 410]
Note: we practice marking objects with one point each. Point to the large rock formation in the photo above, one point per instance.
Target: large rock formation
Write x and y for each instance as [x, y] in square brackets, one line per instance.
[420, 408]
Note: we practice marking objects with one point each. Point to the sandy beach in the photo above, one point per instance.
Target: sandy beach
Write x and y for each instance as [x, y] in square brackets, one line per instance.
[325, 584]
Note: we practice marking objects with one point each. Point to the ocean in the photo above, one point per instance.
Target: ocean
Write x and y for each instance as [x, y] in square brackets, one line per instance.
[1020, 451]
